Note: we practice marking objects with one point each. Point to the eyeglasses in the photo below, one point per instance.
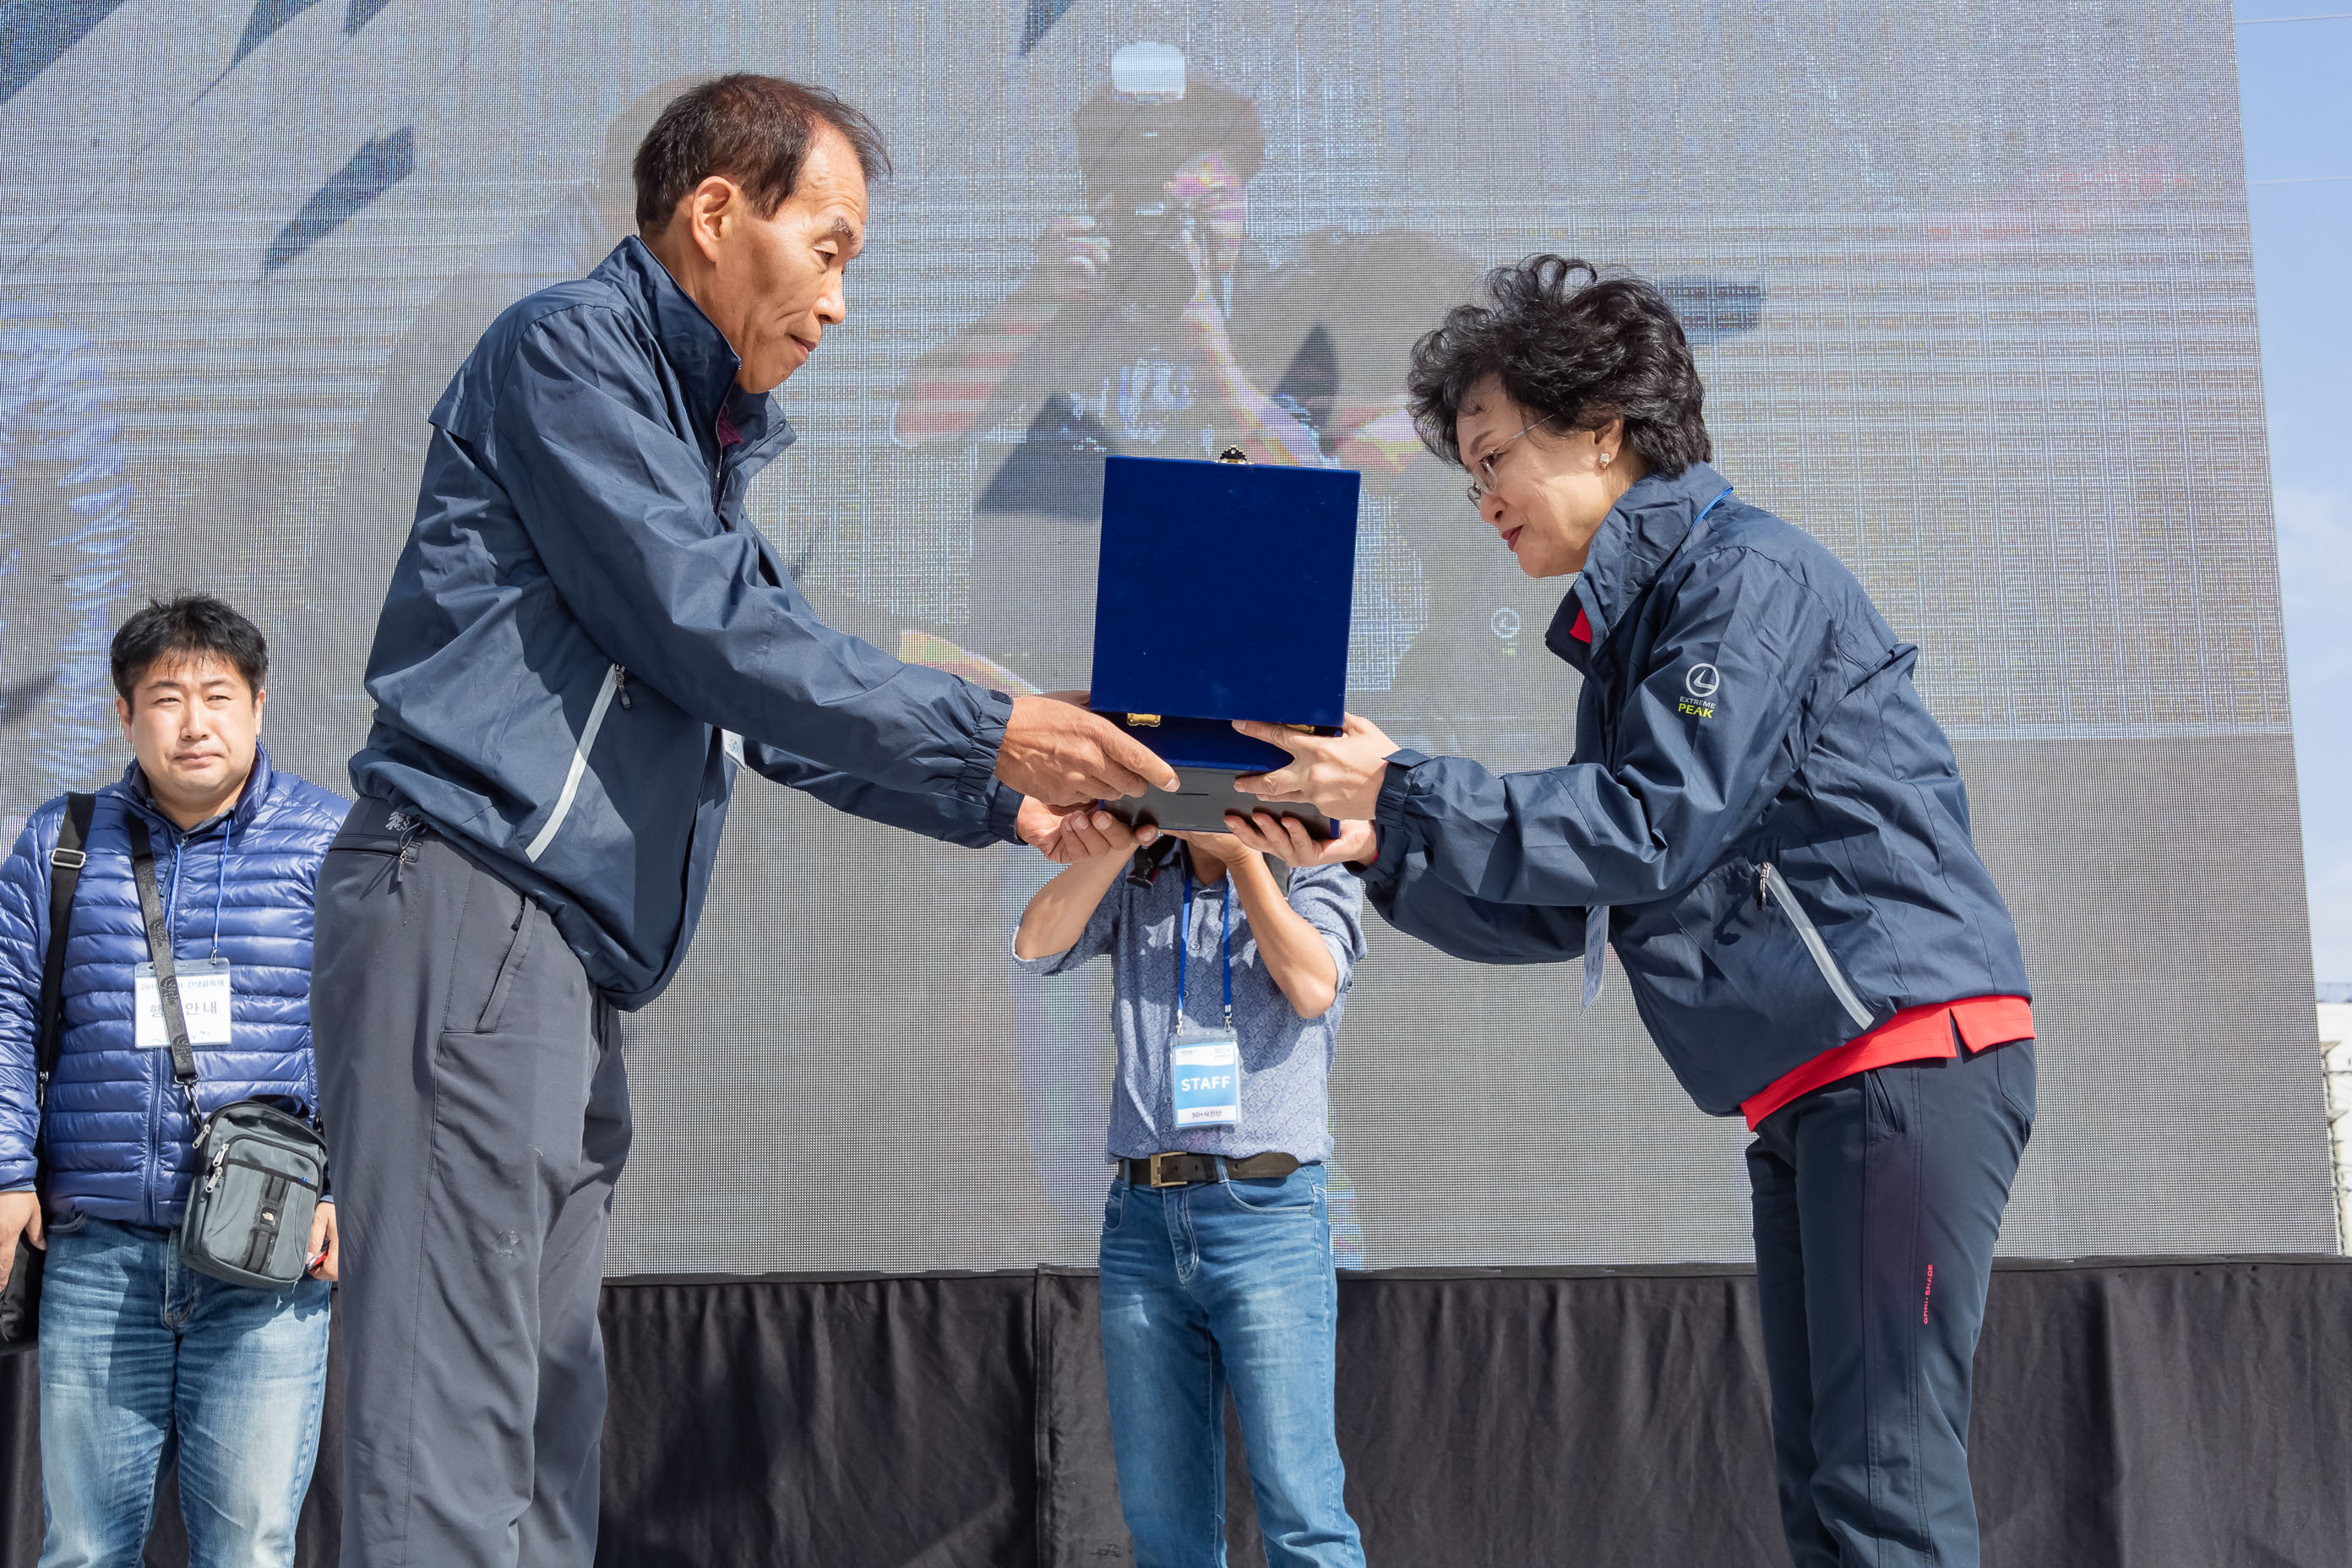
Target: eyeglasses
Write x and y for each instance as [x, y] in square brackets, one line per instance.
[1483, 483]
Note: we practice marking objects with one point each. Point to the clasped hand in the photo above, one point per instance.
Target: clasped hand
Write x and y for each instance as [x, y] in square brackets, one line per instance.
[1340, 775]
[1057, 752]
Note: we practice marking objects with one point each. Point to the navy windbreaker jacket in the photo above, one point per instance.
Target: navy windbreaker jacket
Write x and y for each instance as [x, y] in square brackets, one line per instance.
[585, 636]
[1758, 793]
[241, 886]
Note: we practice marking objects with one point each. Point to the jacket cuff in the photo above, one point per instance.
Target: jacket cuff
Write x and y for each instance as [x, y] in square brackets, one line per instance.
[1004, 814]
[1388, 820]
[995, 710]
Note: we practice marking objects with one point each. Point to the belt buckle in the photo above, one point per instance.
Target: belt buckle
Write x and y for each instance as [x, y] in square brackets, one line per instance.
[1155, 1181]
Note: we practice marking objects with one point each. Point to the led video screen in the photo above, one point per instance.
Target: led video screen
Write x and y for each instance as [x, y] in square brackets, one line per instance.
[1969, 285]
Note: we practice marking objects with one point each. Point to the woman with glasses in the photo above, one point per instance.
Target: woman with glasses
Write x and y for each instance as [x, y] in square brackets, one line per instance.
[1763, 819]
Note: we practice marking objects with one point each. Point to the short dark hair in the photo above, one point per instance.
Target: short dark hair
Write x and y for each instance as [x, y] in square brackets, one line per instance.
[1573, 348]
[190, 625]
[753, 129]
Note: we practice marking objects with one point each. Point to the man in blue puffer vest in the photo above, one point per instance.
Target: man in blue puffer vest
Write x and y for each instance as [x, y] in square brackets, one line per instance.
[137, 1352]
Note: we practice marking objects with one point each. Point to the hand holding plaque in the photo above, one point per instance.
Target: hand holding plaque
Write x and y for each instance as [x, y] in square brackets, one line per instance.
[1340, 775]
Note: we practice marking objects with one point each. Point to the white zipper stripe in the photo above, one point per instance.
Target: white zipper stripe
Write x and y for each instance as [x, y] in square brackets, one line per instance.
[538, 846]
[1817, 947]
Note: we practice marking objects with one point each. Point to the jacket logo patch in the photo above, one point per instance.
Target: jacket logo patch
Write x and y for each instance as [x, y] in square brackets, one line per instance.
[1703, 681]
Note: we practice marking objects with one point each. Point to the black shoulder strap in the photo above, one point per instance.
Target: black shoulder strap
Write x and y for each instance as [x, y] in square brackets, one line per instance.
[159, 952]
[66, 862]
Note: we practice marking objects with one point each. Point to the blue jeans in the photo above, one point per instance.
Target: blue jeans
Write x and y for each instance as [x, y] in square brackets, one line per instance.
[140, 1356]
[1227, 1282]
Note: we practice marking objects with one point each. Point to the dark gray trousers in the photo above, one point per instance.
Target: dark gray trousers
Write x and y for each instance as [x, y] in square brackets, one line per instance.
[1877, 1202]
[477, 1115]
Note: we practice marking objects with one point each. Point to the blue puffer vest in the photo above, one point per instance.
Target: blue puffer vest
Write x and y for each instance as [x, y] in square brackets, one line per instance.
[240, 885]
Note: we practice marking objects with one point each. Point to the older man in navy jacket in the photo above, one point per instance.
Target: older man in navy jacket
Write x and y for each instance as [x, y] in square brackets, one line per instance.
[137, 1352]
[583, 642]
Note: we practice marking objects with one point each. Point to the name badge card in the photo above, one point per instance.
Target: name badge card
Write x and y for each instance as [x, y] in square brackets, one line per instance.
[1208, 1069]
[203, 1002]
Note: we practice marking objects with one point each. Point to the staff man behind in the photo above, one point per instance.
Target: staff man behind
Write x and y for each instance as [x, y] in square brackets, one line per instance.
[139, 1356]
[583, 642]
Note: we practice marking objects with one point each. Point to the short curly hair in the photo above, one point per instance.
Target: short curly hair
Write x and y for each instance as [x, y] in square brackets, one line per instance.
[1572, 347]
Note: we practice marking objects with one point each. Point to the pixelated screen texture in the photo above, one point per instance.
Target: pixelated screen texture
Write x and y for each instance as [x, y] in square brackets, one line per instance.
[1969, 285]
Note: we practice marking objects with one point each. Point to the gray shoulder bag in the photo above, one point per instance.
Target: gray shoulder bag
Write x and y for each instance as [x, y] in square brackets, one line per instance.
[258, 1171]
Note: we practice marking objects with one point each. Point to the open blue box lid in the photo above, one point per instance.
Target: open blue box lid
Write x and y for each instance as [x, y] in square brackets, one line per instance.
[1224, 592]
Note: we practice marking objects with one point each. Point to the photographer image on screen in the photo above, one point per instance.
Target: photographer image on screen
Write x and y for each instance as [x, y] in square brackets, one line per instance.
[1968, 294]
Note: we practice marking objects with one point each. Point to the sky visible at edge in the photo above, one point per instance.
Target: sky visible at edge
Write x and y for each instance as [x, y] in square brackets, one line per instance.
[2298, 121]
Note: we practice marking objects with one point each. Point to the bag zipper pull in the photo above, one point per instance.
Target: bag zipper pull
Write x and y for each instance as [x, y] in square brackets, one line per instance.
[1763, 885]
[621, 686]
[220, 1160]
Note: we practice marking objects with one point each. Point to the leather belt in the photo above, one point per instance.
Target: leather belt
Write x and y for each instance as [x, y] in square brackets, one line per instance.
[1189, 1170]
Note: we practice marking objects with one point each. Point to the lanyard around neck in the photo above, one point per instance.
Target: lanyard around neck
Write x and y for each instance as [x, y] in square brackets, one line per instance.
[1184, 941]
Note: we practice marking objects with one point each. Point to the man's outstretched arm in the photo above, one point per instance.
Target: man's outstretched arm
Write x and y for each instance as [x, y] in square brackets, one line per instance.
[620, 508]
[1064, 834]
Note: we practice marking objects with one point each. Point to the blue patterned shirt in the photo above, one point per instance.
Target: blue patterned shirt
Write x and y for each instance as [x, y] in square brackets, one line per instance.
[1285, 1059]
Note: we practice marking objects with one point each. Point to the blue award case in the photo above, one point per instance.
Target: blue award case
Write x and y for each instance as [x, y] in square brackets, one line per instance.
[1222, 593]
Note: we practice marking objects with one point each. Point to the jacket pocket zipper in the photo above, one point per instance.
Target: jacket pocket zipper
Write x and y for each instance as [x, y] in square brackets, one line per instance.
[1770, 884]
[613, 678]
